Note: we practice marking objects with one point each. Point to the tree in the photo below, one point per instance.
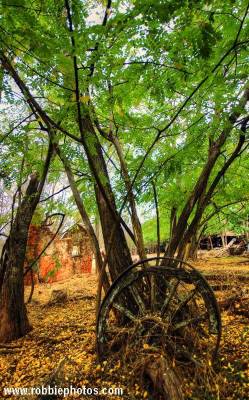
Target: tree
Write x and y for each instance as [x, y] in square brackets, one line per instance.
[14, 321]
[143, 81]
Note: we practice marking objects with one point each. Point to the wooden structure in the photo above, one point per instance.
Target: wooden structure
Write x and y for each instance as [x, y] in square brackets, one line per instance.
[168, 305]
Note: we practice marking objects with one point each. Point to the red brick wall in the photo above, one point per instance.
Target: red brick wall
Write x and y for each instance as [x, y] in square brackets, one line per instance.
[57, 262]
[86, 265]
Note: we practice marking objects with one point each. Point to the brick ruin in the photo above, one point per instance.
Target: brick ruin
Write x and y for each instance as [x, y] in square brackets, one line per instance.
[66, 256]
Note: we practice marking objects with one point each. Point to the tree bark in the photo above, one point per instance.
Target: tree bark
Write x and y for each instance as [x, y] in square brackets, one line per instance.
[157, 219]
[195, 242]
[193, 248]
[119, 254]
[173, 220]
[32, 289]
[13, 314]
[137, 228]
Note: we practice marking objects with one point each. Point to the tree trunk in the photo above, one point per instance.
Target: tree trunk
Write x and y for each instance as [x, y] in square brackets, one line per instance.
[207, 194]
[195, 242]
[119, 254]
[223, 240]
[119, 257]
[173, 220]
[200, 187]
[13, 315]
[157, 220]
[32, 289]
[85, 218]
[201, 193]
[137, 229]
[193, 248]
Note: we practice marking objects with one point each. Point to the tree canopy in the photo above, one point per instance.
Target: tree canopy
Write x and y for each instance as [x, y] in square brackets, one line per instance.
[161, 76]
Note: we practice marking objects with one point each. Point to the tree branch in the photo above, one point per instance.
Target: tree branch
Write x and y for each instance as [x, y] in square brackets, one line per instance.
[14, 128]
[31, 99]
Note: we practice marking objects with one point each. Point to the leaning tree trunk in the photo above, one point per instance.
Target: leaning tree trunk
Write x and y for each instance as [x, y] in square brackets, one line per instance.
[119, 257]
[85, 218]
[137, 228]
[173, 220]
[202, 192]
[13, 315]
[195, 240]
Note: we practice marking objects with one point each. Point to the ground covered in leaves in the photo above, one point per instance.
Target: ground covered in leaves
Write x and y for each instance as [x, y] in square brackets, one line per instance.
[60, 350]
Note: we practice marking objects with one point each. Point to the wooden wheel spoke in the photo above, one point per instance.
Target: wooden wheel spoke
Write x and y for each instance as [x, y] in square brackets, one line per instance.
[152, 292]
[172, 289]
[186, 300]
[190, 321]
[117, 330]
[138, 299]
[124, 311]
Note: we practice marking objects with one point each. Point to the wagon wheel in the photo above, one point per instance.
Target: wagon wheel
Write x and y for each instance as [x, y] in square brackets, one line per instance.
[170, 308]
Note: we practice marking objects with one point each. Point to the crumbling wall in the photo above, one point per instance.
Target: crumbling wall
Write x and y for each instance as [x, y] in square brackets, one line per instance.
[64, 257]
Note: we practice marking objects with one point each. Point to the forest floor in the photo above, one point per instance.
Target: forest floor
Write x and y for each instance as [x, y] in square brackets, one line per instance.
[60, 350]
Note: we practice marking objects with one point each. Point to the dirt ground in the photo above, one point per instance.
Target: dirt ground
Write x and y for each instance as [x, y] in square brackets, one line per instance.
[61, 346]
